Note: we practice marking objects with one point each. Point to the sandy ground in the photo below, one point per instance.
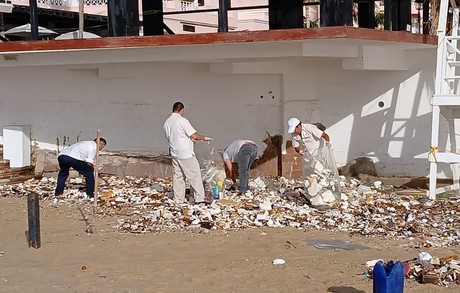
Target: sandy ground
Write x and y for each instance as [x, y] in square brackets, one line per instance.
[70, 260]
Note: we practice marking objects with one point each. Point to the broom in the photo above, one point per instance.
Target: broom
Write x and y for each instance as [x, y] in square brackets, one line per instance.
[90, 226]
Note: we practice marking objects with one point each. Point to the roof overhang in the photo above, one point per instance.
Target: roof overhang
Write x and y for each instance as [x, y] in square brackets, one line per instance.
[359, 49]
[329, 33]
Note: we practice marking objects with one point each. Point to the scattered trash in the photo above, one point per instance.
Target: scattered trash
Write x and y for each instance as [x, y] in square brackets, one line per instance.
[334, 244]
[426, 269]
[379, 213]
[371, 263]
[279, 261]
[290, 245]
[2, 253]
[424, 256]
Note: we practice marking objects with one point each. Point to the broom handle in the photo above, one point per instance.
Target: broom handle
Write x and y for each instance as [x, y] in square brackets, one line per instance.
[96, 172]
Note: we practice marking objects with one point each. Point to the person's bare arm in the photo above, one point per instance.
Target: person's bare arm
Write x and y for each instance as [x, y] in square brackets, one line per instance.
[197, 136]
[229, 166]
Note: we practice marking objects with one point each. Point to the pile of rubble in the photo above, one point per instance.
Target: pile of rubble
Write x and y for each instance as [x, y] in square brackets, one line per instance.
[426, 269]
[434, 270]
[146, 205]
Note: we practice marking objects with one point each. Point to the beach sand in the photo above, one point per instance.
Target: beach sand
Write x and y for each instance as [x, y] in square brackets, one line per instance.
[71, 260]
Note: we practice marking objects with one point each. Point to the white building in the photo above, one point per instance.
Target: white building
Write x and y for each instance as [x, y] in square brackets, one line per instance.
[372, 89]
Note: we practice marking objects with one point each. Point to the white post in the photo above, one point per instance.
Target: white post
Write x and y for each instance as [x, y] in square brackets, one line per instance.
[16, 145]
[439, 87]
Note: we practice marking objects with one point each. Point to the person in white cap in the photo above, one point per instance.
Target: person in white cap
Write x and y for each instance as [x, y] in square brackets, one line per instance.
[181, 136]
[307, 134]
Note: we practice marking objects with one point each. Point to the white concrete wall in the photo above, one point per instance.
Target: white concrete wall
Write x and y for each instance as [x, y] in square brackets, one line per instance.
[130, 111]
[385, 115]
[395, 133]
[129, 103]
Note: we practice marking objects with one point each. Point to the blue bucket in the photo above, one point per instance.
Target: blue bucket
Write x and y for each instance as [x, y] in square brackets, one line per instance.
[388, 278]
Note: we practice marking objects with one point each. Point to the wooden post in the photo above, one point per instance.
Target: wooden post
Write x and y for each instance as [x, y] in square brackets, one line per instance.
[90, 226]
[81, 18]
[34, 220]
[96, 169]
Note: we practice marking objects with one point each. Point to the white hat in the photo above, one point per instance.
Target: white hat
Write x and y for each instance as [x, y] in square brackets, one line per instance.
[292, 124]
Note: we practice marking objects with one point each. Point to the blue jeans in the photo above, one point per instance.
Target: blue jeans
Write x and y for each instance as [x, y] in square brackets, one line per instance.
[65, 163]
[246, 156]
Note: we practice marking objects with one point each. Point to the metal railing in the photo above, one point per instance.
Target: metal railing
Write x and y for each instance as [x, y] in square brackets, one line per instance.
[67, 3]
[53, 2]
[186, 5]
[95, 2]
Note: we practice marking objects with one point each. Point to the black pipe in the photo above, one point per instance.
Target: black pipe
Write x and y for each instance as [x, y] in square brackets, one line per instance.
[223, 16]
[33, 209]
[152, 15]
[426, 17]
[336, 12]
[366, 14]
[387, 15]
[33, 19]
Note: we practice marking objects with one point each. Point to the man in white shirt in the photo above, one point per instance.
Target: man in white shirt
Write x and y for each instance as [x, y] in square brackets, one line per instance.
[181, 136]
[243, 152]
[307, 134]
[79, 156]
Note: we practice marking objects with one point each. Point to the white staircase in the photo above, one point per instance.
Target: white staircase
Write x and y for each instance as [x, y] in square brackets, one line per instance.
[446, 99]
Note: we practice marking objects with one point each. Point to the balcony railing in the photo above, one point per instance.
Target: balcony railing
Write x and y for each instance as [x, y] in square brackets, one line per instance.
[95, 2]
[69, 2]
[53, 2]
[186, 5]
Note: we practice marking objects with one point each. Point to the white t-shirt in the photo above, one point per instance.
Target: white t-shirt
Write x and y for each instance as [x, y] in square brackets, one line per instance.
[231, 151]
[178, 131]
[310, 137]
[83, 151]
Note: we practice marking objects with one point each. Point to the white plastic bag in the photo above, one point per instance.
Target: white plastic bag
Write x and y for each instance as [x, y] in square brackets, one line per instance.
[212, 170]
[321, 174]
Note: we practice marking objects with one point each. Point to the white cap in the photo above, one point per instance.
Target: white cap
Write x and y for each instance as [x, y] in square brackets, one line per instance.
[292, 124]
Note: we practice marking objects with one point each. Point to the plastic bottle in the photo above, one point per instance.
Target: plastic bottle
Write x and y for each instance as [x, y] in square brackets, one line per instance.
[216, 191]
[221, 189]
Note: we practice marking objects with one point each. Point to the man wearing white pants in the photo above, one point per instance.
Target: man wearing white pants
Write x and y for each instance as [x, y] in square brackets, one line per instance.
[181, 136]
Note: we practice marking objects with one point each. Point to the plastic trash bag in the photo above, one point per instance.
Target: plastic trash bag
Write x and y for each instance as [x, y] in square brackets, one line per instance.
[212, 170]
[388, 278]
[321, 174]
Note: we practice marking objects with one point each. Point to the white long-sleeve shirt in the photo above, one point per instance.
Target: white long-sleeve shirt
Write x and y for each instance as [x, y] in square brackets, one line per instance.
[83, 151]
